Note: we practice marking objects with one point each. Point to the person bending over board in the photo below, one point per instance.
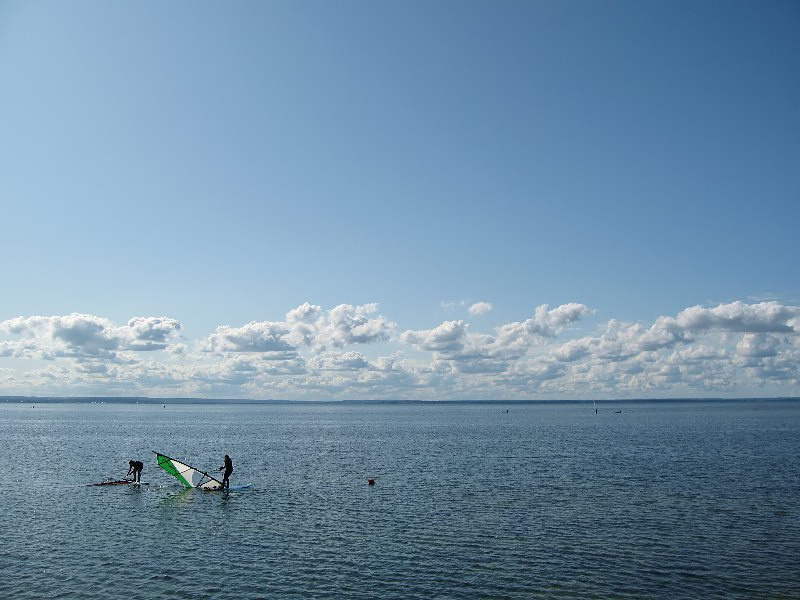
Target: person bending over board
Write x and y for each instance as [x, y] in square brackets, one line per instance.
[136, 467]
[228, 468]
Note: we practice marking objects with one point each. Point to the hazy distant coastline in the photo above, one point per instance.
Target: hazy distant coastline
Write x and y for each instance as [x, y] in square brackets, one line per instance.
[147, 400]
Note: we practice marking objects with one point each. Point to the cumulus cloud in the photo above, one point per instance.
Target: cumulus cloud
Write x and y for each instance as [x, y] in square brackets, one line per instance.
[253, 337]
[81, 335]
[479, 308]
[316, 352]
[347, 324]
[481, 353]
[511, 340]
[307, 325]
[574, 350]
[545, 323]
[447, 337]
[758, 345]
[150, 333]
[17, 349]
[345, 361]
[305, 313]
[764, 317]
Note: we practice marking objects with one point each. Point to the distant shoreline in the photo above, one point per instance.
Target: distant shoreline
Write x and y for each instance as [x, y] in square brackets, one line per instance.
[218, 401]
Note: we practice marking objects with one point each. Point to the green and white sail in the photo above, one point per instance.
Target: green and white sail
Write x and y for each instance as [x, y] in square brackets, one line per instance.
[188, 476]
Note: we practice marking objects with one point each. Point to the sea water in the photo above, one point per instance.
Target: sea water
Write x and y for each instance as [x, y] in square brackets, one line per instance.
[661, 500]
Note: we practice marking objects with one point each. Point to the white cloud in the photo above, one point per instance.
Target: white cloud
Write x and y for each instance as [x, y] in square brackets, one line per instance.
[479, 309]
[345, 361]
[749, 318]
[307, 325]
[574, 350]
[447, 337]
[347, 324]
[80, 335]
[150, 333]
[305, 313]
[758, 345]
[545, 323]
[253, 337]
[315, 352]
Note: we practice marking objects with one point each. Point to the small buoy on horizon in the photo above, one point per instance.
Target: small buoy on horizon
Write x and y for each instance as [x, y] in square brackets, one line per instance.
[370, 482]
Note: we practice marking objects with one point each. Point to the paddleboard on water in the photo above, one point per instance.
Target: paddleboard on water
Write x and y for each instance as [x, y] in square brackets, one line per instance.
[233, 488]
[118, 482]
[242, 486]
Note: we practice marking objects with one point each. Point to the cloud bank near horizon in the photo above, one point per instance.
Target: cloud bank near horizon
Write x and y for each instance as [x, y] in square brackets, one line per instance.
[355, 352]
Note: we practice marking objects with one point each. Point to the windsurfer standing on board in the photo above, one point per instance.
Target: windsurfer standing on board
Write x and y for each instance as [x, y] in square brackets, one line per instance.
[136, 467]
[228, 468]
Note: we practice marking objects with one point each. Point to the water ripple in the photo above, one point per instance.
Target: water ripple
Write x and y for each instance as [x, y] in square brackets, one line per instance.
[674, 502]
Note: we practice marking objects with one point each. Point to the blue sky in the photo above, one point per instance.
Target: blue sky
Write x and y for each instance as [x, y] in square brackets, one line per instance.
[400, 200]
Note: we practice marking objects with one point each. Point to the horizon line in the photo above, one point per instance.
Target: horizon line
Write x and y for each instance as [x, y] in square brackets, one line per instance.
[193, 400]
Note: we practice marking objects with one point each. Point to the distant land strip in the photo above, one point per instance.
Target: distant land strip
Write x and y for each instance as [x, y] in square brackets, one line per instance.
[148, 400]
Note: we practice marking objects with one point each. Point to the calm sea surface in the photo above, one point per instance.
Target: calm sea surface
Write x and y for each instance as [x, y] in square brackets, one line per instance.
[659, 501]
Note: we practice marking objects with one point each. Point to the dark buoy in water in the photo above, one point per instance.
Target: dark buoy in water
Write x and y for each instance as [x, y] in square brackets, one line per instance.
[370, 482]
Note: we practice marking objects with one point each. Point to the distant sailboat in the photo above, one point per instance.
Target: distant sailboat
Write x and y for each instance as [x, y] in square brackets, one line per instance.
[595, 406]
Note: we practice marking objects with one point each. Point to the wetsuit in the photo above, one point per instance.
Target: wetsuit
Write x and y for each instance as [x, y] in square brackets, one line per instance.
[228, 468]
[136, 467]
